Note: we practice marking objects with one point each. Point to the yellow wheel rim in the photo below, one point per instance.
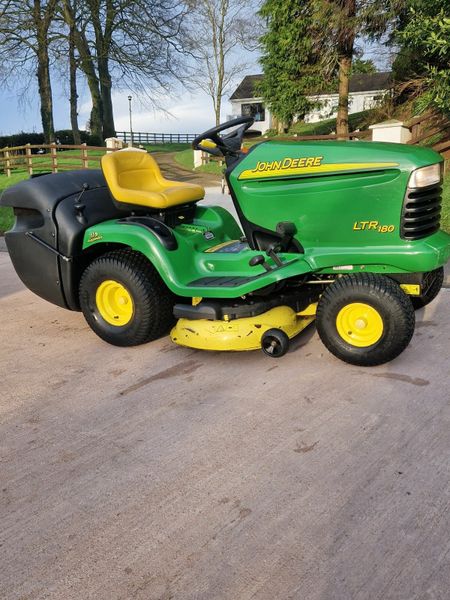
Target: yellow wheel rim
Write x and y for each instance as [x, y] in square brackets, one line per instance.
[114, 303]
[359, 324]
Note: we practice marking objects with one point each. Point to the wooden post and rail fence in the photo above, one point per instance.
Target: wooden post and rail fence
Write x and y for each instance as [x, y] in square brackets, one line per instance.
[430, 129]
[56, 157]
[141, 137]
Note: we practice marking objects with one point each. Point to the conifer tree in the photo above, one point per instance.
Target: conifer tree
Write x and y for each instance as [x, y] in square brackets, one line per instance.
[290, 57]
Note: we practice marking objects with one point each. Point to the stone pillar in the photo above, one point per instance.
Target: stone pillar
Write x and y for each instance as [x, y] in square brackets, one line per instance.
[114, 143]
[198, 158]
[390, 131]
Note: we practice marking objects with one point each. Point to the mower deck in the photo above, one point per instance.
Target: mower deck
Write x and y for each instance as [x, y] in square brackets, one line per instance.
[240, 334]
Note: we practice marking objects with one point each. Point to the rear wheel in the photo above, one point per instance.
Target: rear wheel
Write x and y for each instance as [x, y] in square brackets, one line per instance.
[435, 280]
[124, 300]
[365, 319]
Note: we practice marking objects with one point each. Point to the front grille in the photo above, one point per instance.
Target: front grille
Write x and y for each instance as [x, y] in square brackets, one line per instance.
[421, 212]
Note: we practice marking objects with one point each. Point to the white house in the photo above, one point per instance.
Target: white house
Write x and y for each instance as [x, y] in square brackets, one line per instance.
[366, 90]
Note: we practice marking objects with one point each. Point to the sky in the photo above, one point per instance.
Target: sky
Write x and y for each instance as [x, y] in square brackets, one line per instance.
[190, 113]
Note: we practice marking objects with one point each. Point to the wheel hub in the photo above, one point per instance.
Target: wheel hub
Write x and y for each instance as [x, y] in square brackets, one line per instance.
[114, 303]
[359, 324]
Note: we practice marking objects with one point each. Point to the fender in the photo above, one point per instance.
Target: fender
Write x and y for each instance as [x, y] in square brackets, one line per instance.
[144, 241]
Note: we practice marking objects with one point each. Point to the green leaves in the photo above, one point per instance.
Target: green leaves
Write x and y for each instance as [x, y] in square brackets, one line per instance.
[288, 58]
[427, 32]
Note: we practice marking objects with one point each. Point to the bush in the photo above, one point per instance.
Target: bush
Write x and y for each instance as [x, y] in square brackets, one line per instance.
[65, 136]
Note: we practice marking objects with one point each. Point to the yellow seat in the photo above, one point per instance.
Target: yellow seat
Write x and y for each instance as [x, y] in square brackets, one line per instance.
[133, 177]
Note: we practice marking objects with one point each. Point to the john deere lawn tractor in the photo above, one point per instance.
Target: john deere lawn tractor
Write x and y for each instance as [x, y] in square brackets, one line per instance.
[343, 233]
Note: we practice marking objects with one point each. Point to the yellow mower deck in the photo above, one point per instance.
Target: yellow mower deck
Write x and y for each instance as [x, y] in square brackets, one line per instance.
[240, 334]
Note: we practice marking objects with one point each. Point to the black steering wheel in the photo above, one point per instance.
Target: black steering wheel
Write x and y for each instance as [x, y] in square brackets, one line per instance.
[225, 145]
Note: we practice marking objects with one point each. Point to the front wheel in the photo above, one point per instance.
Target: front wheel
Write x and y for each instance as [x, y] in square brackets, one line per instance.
[124, 300]
[365, 319]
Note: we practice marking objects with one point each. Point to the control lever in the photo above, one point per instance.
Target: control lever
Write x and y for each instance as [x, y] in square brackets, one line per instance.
[272, 252]
[79, 206]
[259, 260]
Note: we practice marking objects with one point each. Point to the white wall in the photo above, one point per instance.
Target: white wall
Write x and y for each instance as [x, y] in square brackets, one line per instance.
[358, 101]
[261, 126]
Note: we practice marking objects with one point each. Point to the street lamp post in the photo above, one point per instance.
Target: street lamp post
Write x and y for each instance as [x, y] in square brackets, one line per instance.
[130, 98]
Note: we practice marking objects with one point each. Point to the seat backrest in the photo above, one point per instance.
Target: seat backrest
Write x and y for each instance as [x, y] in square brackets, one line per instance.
[130, 170]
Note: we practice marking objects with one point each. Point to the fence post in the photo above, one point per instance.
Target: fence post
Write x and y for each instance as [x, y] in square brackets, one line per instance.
[54, 158]
[29, 159]
[84, 156]
[7, 164]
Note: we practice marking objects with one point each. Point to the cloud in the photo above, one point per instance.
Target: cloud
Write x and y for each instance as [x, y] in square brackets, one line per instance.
[189, 114]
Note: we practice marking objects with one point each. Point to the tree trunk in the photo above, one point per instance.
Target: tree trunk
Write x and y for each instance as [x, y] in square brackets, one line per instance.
[217, 109]
[96, 111]
[73, 90]
[45, 93]
[108, 126]
[41, 23]
[342, 129]
[88, 68]
[345, 48]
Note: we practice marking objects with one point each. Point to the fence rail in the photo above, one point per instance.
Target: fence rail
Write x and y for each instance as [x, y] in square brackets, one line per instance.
[55, 157]
[432, 129]
[140, 137]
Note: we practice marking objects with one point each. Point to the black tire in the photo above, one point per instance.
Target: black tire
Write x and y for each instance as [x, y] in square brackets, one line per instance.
[391, 309]
[274, 343]
[152, 302]
[435, 279]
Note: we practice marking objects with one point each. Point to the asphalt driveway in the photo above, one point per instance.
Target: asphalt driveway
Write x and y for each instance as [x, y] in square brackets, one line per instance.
[160, 473]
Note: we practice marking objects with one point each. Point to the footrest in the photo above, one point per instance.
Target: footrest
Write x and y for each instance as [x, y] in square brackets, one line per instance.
[228, 282]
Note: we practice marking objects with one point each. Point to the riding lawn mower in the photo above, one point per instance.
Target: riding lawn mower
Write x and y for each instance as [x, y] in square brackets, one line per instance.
[346, 234]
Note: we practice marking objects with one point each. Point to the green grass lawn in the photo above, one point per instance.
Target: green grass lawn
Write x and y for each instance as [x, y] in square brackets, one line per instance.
[186, 160]
[168, 147]
[445, 219]
[356, 120]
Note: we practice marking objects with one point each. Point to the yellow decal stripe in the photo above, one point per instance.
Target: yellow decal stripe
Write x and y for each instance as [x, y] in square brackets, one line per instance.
[330, 168]
[219, 246]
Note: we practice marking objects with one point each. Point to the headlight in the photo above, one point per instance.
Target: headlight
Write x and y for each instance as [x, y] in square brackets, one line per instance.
[425, 176]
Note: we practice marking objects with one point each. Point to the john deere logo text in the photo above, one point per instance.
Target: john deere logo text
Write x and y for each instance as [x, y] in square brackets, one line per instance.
[94, 237]
[307, 166]
[288, 163]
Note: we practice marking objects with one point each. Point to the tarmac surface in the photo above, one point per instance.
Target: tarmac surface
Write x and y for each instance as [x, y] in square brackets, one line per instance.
[158, 473]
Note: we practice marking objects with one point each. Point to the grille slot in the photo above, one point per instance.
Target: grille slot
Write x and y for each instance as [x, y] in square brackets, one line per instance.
[421, 214]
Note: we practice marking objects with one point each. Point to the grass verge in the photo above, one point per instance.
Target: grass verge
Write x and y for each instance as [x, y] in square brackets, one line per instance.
[445, 218]
[169, 147]
[186, 159]
[356, 120]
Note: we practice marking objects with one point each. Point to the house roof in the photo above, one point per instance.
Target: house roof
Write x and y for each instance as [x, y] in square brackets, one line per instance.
[246, 89]
[361, 82]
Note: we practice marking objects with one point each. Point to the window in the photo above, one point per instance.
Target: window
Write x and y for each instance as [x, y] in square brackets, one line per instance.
[255, 110]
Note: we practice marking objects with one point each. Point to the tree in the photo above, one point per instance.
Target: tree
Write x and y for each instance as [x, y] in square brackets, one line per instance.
[73, 93]
[25, 38]
[360, 65]
[219, 30]
[426, 41]
[342, 23]
[290, 58]
[129, 44]
[309, 45]
[71, 12]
